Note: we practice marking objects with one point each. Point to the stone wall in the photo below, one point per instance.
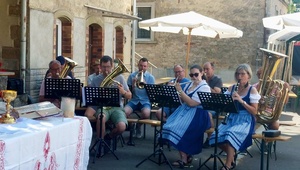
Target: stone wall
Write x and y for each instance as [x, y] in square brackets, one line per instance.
[168, 49]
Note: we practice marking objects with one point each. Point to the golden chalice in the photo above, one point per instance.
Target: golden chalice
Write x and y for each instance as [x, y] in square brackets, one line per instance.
[8, 96]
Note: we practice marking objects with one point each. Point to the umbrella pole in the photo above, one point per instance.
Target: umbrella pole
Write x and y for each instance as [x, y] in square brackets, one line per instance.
[188, 51]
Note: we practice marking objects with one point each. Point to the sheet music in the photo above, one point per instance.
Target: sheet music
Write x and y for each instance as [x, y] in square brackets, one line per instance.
[37, 110]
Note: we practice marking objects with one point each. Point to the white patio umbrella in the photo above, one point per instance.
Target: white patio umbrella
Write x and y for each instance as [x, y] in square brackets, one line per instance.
[288, 26]
[279, 22]
[283, 35]
[191, 23]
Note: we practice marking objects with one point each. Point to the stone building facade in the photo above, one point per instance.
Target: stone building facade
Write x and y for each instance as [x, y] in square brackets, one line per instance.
[166, 49]
[82, 30]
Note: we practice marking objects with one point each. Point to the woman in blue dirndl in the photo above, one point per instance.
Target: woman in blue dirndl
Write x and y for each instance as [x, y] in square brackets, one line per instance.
[186, 125]
[236, 135]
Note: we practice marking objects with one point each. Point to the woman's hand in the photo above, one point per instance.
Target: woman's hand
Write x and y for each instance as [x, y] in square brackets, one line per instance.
[237, 97]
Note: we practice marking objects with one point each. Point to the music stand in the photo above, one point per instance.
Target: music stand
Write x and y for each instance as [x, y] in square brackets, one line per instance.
[57, 88]
[219, 103]
[164, 96]
[101, 96]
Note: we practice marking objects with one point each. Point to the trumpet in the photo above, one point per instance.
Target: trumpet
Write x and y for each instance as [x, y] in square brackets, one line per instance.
[140, 82]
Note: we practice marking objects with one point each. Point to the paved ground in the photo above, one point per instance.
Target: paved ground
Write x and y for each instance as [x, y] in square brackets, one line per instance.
[129, 156]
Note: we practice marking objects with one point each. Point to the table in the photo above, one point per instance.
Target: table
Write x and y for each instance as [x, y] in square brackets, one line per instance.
[48, 143]
[262, 147]
[7, 73]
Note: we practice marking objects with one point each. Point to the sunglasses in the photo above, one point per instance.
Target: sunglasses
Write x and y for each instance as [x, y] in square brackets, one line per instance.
[192, 75]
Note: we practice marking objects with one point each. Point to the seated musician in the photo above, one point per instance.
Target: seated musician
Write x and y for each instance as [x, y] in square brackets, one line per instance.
[54, 72]
[97, 71]
[179, 78]
[62, 61]
[215, 83]
[115, 114]
[187, 137]
[140, 101]
[236, 135]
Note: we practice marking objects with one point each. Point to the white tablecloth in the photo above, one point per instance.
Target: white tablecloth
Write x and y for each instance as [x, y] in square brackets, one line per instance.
[50, 143]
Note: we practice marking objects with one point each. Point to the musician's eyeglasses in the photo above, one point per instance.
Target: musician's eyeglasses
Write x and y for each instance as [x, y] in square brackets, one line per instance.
[192, 75]
[242, 74]
[55, 69]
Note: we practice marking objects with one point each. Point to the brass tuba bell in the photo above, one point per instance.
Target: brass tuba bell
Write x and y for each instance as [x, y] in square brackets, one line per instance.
[273, 93]
[109, 79]
[69, 65]
[140, 82]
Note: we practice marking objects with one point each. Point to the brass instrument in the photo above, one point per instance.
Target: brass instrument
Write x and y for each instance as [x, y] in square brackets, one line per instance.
[109, 79]
[140, 82]
[273, 93]
[69, 65]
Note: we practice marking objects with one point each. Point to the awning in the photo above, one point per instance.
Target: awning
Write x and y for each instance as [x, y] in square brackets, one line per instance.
[107, 13]
[283, 35]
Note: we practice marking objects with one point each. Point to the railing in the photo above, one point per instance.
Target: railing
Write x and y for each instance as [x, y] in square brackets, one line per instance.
[151, 64]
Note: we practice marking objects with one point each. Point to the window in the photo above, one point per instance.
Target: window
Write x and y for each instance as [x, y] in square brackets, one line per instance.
[144, 11]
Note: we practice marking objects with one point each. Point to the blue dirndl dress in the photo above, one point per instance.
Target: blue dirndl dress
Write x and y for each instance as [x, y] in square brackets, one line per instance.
[239, 128]
[186, 126]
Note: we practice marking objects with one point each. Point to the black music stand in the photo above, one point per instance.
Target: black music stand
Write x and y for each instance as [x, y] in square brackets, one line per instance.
[57, 88]
[164, 96]
[101, 96]
[219, 103]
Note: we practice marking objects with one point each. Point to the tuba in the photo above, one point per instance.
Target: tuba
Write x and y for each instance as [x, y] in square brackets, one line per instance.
[69, 65]
[273, 93]
[140, 82]
[109, 80]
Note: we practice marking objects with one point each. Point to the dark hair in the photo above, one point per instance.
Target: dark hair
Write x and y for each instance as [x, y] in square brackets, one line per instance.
[212, 64]
[61, 59]
[106, 59]
[196, 66]
[143, 59]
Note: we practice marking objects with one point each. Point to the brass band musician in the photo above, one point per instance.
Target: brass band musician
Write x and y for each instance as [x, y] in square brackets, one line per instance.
[54, 72]
[115, 114]
[97, 71]
[215, 83]
[179, 78]
[236, 135]
[140, 101]
[62, 61]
